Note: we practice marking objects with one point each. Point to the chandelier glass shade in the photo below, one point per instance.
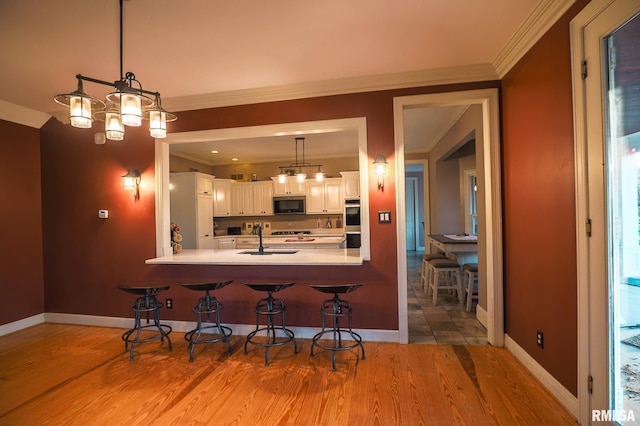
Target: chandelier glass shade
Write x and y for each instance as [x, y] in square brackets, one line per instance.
[129, 104]
[290, 170]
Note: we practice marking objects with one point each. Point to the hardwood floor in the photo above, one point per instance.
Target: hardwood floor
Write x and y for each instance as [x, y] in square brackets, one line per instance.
[74, 375]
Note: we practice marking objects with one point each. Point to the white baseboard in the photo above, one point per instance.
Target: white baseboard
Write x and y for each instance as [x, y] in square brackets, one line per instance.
[184, 326]
[21, 324]
[481, 315]
[566, 398]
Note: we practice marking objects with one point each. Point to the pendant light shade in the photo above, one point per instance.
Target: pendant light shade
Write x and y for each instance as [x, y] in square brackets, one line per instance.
[113, 126]
[80, 105]
[80, 112]
[130, 109]
[158, 124]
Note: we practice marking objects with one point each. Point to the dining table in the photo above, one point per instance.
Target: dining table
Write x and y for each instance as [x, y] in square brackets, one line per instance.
[461, 247]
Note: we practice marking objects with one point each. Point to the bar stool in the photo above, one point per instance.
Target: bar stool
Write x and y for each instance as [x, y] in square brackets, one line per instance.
[270, 308]
[449, 271]
[335, 309]
[471, 280]
[147, 303]
[207, 306]
[424, 272]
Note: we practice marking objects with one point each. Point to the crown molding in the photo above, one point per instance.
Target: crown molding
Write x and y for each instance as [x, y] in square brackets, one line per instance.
[465, 74]
[21, 115]
[544, 15]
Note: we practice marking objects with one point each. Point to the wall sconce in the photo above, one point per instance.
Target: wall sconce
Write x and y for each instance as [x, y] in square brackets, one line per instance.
[380, 169]
[131, 181]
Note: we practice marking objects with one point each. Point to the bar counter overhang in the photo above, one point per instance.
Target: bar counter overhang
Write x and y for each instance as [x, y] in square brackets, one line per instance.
[315, 257]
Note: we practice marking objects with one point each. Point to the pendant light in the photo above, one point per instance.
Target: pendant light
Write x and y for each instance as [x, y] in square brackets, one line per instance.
[130, 102]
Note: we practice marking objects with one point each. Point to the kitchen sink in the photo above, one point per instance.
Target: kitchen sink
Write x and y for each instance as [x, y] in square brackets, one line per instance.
[268, 252]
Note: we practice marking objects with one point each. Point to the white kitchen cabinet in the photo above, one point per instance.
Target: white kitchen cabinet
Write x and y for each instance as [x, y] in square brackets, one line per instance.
[204, 184]
[325, 196]
[226, 243]
[262, 198]
[351, 184]
[252, 199]
[246, 242]
[221, 197]
[242, 199]
[290, 186]
[191, 209]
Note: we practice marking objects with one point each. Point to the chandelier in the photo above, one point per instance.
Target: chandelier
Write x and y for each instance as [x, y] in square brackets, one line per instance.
[128, 105]
[299, 165]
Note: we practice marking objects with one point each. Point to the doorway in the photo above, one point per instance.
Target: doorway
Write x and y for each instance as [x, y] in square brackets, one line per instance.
[490, 231]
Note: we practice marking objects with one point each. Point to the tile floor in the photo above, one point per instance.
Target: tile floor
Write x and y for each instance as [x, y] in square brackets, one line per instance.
[447, 323]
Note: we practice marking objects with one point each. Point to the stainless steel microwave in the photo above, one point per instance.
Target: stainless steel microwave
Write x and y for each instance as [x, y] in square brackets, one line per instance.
[289, 205]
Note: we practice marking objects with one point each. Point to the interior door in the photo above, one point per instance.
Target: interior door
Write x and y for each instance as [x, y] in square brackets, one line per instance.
[611, 116]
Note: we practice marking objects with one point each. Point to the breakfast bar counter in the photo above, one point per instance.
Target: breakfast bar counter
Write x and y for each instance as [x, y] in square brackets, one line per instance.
[272, 256]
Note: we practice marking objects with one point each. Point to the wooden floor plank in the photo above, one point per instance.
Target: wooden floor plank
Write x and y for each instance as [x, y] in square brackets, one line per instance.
[74, 375]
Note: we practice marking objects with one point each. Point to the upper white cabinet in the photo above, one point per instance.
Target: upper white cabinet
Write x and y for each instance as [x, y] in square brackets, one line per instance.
[252, 199]
[221, 197]
[241, 199]
[291, 186]
[325, 196]
[351, 184]
[262, 198]
[204, 184]
[192, 209]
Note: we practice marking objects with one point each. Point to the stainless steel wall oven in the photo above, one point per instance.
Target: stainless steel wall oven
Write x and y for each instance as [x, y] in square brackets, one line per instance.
[352, 222]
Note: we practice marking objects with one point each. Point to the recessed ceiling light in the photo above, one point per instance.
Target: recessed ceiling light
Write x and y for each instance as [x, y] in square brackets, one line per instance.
[234, 159]
[214, 151]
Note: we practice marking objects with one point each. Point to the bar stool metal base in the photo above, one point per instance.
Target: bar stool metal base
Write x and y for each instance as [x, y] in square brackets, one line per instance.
[335, 309]
[147, 304]
[269, 308]
[206, 307]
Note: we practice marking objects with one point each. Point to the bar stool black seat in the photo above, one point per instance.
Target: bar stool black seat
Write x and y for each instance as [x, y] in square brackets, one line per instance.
[269, 308]
[335, 309]
[207, 306]
[148, 304]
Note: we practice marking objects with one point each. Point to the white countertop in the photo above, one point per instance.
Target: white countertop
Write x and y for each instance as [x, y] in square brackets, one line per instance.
[315, 257]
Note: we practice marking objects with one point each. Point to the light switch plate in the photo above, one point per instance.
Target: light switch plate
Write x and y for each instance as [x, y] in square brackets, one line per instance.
[103, 214]
[384, 216]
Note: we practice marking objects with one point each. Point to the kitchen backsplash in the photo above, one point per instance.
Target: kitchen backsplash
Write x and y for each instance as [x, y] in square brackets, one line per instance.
[284, 223]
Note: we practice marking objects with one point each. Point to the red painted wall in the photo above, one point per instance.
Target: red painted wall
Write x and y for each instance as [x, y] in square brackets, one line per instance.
[86, 257]
[21, 276]
[539, 204]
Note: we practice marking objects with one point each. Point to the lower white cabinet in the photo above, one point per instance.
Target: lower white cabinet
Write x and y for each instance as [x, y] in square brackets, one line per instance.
[226, 243]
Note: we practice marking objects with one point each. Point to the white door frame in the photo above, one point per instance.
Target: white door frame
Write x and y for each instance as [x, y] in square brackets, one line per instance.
[492, 238]
[593, 321]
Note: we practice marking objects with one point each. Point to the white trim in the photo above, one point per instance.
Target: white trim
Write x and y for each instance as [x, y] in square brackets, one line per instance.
[163, 221]
[21, 115]
[481, 315]
[12, 327]
[543, 16]
[185, 326]
[492, 238]
[432, 77]
[566, 398]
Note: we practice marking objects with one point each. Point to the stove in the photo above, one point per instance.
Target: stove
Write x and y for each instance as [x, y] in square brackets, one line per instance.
[290, 232]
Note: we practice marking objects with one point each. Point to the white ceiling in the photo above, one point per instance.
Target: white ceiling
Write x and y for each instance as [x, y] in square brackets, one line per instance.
[193, 48]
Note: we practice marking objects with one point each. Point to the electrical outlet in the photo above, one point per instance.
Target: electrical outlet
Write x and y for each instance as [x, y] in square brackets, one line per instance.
[169, 303]
[540, 339]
